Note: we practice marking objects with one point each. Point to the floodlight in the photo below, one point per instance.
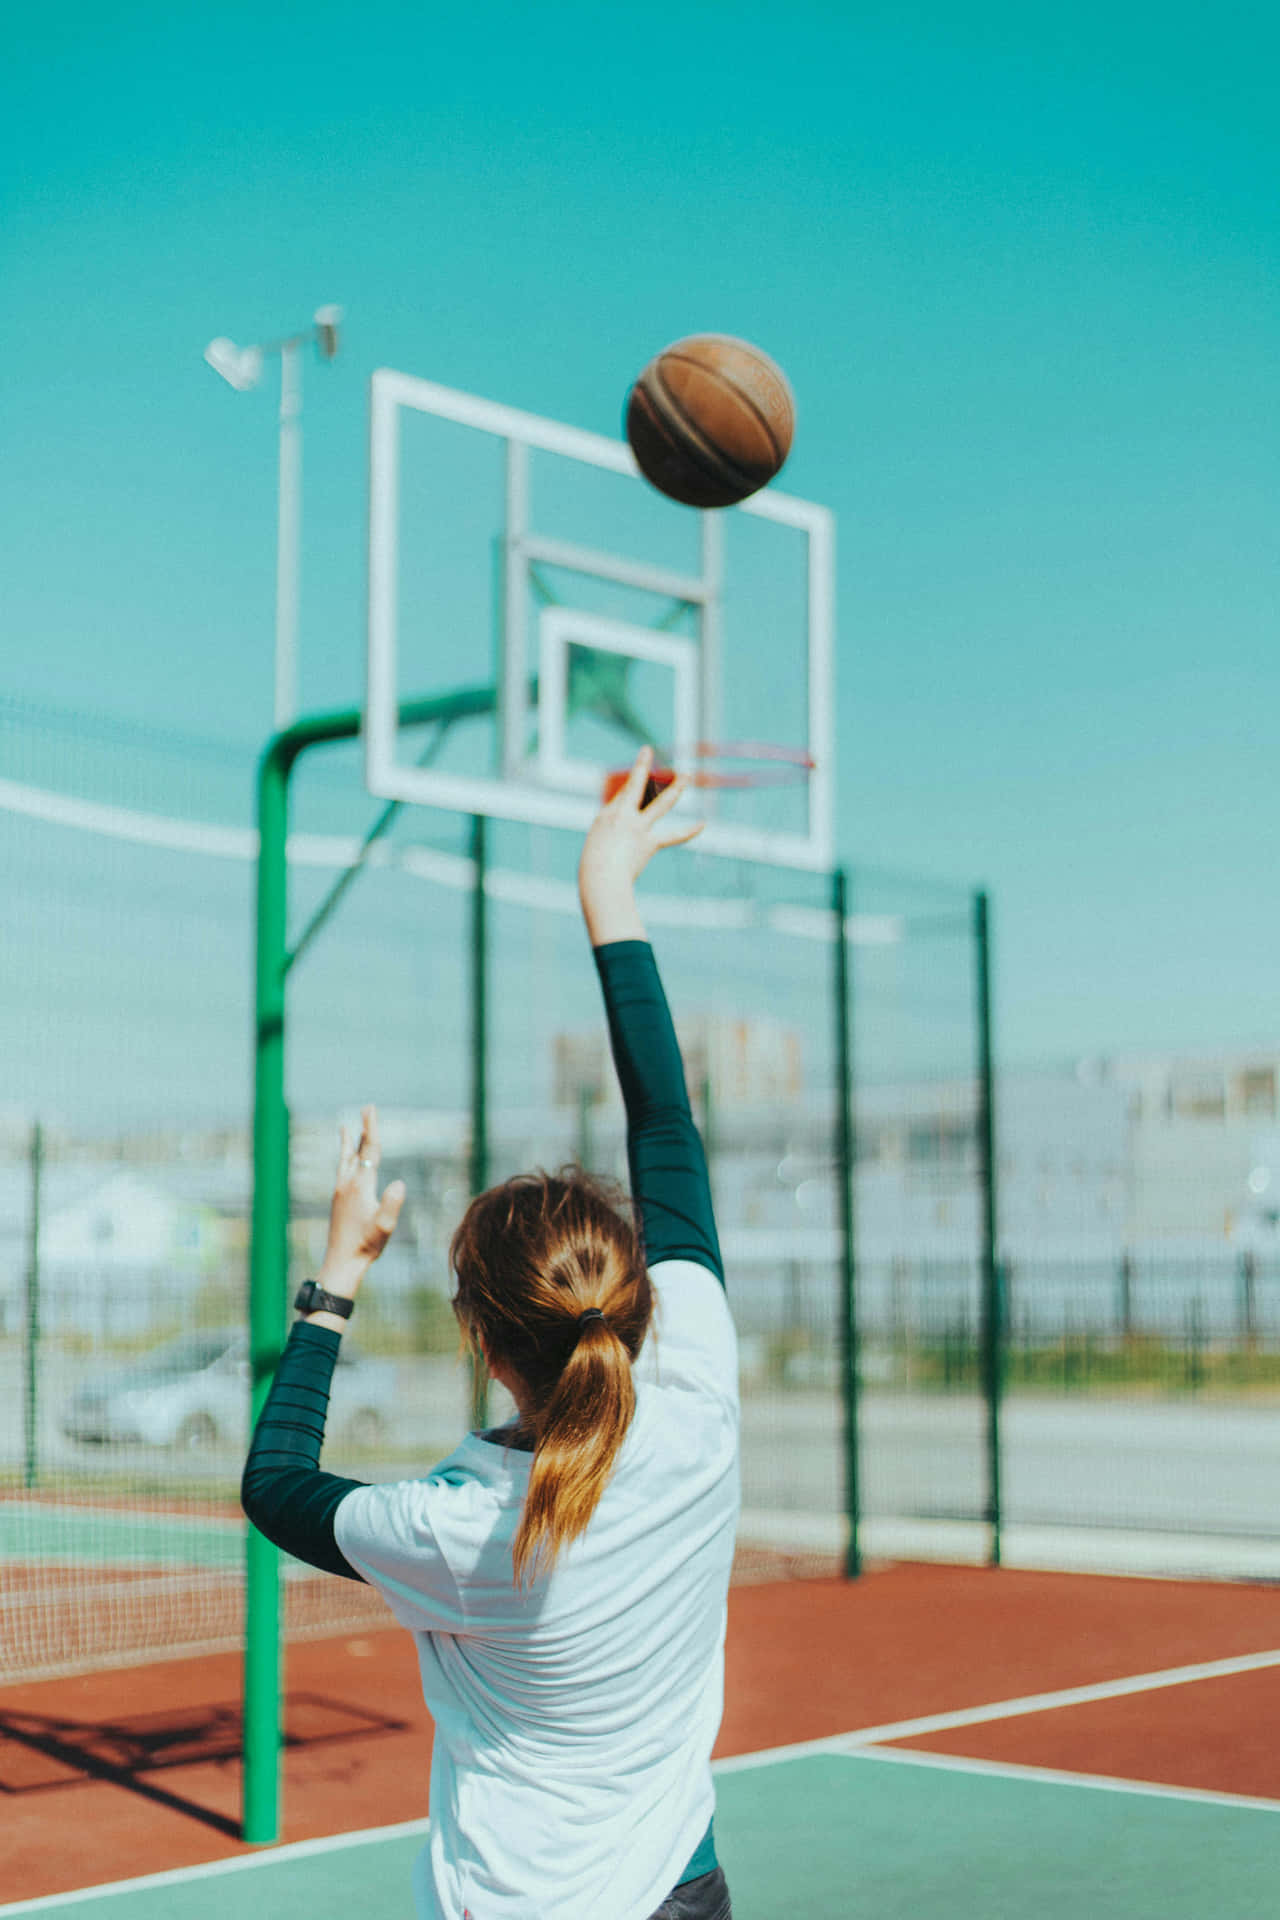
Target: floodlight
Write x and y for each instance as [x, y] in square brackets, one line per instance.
[240, 367]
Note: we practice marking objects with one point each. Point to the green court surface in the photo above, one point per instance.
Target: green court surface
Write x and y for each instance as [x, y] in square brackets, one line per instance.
[117, 1537]
[834, 1837]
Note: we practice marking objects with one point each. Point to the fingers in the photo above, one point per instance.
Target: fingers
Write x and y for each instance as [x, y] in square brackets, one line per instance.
[384, 1220]
[676, 836]
[389, 1207]
[629, 796]
[661, 805]
[363, 1155]
[361, 1223]
[370, 1139]
[667, 797]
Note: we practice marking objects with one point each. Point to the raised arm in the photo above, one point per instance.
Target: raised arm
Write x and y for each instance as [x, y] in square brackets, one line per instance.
[668, 1165]
[283, 1489]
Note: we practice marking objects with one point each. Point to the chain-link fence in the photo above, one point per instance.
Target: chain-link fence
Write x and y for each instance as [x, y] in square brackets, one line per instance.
[127, 1177]
[924, 1458]
[1141, 1385]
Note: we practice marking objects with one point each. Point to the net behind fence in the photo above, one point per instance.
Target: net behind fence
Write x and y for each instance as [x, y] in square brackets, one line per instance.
[747, 959]
[1140, 1381]
[1141, 1394]
[924, 1465]
[127, 1175]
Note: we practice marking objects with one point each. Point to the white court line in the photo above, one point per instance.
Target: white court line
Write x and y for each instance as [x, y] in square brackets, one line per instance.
[1007, 1709]
[178, 1876]
[1061, 1777]
[857, 1745]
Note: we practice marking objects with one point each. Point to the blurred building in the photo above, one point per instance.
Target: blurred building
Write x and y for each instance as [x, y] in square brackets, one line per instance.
[116, 1247]
[1205, 1154]
[1110, 1160]
[746, 1062]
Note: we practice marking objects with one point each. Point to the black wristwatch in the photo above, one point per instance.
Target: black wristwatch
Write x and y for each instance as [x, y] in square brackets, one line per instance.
[313, 1299]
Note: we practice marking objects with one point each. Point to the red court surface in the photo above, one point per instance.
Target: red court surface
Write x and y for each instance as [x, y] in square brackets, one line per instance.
[1212, 1736]
[817, 1658]
[136, 1770]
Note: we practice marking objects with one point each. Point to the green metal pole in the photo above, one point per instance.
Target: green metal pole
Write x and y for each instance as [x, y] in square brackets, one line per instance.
[846, 1161]
[268, 1270]
[479, 1169]
[993, 1331]
[31, 1403]
[269, 1249]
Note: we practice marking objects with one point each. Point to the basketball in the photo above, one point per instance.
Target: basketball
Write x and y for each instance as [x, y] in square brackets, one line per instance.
[710, 420]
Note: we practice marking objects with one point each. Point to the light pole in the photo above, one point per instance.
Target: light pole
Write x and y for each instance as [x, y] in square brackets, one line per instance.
[241, 368]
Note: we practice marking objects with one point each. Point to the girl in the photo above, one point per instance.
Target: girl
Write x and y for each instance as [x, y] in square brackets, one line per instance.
[565, 1577]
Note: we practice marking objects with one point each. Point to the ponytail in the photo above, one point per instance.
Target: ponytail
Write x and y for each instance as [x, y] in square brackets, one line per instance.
[578, 1436]
[531, 1258]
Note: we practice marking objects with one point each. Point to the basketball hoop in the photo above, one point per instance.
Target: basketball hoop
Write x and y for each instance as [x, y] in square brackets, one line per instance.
[784, 766]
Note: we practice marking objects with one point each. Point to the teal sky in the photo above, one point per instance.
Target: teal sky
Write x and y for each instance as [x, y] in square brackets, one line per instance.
[1021, 270]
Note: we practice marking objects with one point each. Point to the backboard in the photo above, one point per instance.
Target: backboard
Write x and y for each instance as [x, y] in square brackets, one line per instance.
[519, 553]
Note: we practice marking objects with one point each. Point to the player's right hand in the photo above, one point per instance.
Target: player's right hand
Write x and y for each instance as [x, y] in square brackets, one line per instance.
[360, 1222]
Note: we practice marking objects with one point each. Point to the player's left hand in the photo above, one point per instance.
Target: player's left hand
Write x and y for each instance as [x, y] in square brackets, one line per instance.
[625, 834]
[360, 1224]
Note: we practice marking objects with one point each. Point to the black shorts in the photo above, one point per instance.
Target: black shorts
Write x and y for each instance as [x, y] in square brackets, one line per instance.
[706, 1898]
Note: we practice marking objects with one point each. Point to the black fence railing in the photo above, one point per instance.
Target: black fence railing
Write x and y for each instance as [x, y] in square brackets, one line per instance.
[1172, 1321]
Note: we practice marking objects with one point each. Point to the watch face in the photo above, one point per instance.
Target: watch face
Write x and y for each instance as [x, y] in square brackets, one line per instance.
[312, 1298]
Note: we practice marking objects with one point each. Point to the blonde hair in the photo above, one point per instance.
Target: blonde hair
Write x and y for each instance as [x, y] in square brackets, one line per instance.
[530, 1256]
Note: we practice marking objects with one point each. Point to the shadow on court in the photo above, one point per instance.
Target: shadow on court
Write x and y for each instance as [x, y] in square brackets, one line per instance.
[42, 1753]
[923, 1833]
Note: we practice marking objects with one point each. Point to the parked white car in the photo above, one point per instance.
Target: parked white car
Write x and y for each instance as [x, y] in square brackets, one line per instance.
[193, 1395]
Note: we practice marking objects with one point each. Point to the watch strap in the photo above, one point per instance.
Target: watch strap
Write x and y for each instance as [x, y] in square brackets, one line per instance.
[311, 1298]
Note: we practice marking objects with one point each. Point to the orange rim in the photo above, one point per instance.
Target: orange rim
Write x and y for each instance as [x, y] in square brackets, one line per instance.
[791, 764]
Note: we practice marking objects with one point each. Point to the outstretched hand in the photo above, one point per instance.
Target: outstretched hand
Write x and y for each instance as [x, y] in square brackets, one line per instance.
[360, 1224]
[623, 838]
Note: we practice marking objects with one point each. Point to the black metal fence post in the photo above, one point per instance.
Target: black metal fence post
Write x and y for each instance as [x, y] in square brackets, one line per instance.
[479, 1159]
[1248, 1281]
[847, 1164]
[992, 1303]
[31, 1398]
[1125, 1303]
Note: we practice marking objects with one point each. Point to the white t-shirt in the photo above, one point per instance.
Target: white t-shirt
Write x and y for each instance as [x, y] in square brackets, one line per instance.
[571, 1774]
